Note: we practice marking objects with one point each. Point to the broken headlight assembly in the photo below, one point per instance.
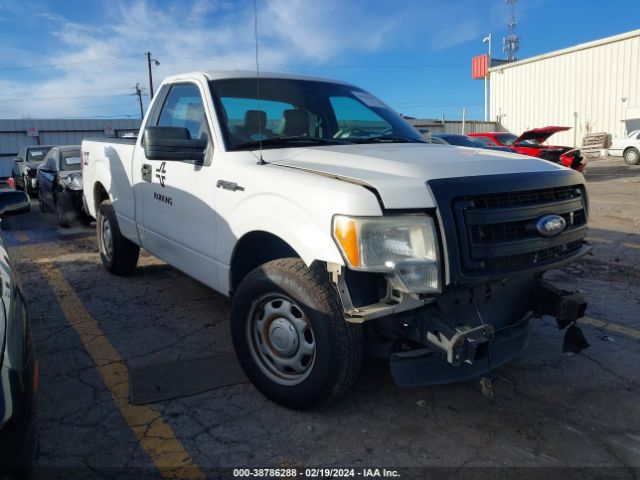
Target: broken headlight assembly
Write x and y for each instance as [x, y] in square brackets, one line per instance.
[405, 247]
[72, 181]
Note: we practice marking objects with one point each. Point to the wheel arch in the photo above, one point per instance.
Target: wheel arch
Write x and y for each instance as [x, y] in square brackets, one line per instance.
[99, 195]
[253, 249]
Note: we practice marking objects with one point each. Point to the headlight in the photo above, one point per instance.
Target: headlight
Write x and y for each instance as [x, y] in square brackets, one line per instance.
[73, 182]
[404, 245]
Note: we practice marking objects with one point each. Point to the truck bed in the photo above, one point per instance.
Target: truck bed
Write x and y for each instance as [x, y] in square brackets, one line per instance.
[111, 159]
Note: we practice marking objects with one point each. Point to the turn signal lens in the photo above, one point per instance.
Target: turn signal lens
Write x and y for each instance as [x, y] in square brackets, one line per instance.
[346, 233]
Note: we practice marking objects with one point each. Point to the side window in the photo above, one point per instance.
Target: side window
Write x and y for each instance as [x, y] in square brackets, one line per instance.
[353, 116]
[184, 108]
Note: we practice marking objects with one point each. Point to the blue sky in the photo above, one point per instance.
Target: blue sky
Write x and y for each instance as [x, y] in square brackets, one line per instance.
[80, 58]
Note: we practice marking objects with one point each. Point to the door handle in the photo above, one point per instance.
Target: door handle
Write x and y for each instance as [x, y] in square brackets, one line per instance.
[146, 172]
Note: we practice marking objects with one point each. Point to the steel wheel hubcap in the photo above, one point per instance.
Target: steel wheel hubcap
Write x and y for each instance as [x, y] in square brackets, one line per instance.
[632, 156]
[281, 339]
[106, 238]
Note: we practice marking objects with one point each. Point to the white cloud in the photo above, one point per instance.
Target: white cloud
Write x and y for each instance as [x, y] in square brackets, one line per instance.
[208, 34]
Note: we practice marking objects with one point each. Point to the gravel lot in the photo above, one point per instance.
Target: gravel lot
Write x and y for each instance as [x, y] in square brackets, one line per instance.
[549, 410]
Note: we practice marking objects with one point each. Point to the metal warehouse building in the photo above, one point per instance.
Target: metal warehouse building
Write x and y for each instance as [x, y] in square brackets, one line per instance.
[15, 134]
[592, 87]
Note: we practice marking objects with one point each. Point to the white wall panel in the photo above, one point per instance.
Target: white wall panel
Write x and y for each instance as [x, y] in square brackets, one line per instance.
[590, 80]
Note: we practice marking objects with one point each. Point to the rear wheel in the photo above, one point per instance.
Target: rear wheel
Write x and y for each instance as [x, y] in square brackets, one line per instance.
[119, 255]
[290, 336]
[632, 156]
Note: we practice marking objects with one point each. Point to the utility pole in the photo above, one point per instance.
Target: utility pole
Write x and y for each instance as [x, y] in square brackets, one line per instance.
[487, 39]
[139, 95]
[149, 60]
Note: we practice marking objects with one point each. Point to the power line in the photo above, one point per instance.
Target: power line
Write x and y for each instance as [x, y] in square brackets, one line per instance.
[355, 66]
[56, 65]
[72, 97]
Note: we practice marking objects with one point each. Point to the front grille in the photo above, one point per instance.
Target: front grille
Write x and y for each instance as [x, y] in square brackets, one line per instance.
[497, 231]
[501, 232]
[527, 197]
[488, 222]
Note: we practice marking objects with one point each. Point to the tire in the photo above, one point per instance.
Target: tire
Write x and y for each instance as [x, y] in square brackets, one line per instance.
[287, 296]
[119, 255]
[62, 213]
[632, 156]
[43, 206]
[17, 187]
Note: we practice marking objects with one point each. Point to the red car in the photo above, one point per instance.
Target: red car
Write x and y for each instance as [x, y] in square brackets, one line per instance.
[531, 143]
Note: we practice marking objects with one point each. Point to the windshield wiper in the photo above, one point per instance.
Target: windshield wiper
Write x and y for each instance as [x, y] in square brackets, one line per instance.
[388, 138]
[291, 140]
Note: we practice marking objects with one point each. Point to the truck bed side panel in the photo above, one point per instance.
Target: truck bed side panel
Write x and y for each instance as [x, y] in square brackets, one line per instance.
[109, 164]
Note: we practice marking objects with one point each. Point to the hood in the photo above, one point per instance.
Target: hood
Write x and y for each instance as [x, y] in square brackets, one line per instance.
[540, 135]
[398, 172]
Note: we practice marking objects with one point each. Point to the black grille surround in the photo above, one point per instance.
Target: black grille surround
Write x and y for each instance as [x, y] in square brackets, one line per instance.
[488, 222]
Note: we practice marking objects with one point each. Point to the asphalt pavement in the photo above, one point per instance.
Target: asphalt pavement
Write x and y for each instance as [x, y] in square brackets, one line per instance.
[551, 414]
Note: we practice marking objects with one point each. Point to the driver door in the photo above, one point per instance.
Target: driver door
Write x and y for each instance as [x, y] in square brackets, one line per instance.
[178, 212]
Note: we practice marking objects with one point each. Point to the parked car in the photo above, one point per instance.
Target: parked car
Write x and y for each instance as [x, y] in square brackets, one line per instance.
[627, 147]
[24, 168]
[467, 141]
[437, 141]
[532, 143]
[327, 235]
[18, 364]
[59, 181]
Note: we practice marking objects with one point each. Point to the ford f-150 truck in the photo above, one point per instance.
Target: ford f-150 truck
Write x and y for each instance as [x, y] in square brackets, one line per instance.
[337, 232]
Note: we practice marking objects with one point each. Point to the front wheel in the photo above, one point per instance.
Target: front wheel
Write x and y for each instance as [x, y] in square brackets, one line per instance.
[632, 156]
[119, 255]
[290, 336]
[44, 208]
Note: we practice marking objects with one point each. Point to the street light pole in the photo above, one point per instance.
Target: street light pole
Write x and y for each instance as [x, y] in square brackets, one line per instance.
[487, 39]
[149, 60]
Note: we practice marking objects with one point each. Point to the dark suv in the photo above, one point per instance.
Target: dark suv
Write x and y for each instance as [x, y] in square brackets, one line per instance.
[24, 168]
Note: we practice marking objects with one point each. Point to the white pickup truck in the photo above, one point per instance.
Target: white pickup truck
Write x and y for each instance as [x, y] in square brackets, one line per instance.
[337, 231]
[627, 147]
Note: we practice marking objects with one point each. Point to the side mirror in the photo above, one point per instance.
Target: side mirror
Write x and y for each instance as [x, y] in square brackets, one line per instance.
[172, 143]
[13, 202]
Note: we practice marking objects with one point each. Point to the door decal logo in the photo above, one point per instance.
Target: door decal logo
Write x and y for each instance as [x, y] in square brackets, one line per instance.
[160, 173]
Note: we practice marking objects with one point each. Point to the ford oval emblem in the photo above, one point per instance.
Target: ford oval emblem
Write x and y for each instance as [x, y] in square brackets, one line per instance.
[550, 225]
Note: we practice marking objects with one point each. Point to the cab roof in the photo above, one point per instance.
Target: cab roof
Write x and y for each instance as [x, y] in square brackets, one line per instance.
[228, 74]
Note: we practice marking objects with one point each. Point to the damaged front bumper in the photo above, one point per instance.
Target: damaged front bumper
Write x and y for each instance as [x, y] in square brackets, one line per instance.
[456, 348]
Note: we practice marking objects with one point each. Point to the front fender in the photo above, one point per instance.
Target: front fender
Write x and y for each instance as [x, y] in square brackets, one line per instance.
[309, 237]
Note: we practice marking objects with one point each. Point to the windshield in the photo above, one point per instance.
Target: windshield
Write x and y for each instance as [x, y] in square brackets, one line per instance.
[506, 138]
[70, 160]
[37, 154]
[304, 112]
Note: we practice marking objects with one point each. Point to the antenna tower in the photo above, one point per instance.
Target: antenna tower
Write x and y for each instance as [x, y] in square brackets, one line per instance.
[511, 43]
